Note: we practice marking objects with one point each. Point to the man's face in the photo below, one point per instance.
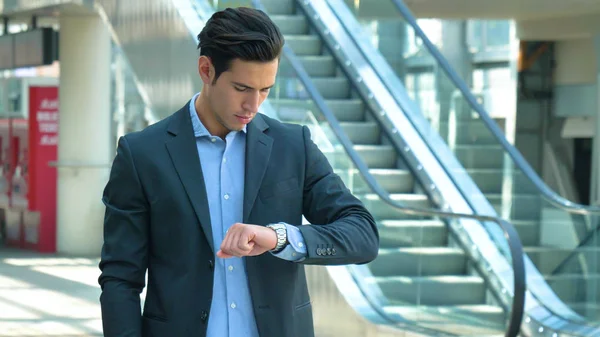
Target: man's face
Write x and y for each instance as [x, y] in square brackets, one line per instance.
[234, 98]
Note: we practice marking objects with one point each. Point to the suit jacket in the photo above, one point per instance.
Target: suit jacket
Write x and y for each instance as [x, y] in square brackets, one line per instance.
[157, 219]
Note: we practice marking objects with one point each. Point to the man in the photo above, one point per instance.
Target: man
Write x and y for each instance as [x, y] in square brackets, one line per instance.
[210, 202]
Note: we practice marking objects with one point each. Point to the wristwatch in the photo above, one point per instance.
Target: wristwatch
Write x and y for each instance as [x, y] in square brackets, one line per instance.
[281, 231]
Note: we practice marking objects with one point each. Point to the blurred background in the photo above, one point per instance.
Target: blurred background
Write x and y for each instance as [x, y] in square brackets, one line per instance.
[469, 128]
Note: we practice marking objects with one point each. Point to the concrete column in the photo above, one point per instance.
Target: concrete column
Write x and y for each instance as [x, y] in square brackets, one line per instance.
[84, 150]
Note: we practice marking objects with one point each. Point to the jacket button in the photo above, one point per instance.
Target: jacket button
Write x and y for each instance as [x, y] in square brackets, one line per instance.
[204, 316]
[211, 264]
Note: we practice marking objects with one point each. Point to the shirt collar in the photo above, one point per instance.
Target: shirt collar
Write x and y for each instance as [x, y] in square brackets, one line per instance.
[199, 129]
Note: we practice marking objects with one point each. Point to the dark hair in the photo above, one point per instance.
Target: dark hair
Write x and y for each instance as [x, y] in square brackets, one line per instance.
[244, 33]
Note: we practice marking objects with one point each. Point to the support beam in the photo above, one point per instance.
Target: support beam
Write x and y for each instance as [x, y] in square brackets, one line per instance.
[84, 149]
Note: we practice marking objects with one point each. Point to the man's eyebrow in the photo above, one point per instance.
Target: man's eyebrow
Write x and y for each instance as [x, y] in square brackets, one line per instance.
[249, 87]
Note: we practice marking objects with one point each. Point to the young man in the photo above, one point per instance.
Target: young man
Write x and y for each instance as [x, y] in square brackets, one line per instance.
[210, 201]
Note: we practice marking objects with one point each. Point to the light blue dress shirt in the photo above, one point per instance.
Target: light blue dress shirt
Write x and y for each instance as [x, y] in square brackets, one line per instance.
[223, 168]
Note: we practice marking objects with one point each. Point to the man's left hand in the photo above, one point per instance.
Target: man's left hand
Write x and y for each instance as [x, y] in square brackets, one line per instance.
[247, 240]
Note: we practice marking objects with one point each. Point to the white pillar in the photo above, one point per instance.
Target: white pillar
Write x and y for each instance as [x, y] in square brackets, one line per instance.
[84, 133]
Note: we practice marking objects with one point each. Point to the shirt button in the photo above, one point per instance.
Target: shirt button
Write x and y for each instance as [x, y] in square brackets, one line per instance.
[300, 244]
[224, 160]
[233, 305]
[213, 140]
[230, 268]
[226, 196]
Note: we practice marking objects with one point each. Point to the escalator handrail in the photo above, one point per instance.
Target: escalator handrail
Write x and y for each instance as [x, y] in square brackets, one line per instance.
[546, 191]
[516, 249]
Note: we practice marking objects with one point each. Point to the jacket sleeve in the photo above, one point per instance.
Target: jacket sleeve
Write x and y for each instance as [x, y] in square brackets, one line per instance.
[342, 230]
[125, 250]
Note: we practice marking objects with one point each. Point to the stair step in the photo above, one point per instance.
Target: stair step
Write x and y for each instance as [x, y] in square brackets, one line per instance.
[304, 45]
[412, 233]
[314, 65]
[521, 206]
[328, 87]
[295, 110]
[362, 132]
[374, 156]
[391, 180]
[426, 261]
[472, 132]
[479, 319]
[278, 7]
[333, 87]
[480, 156]
[491, 180]
[377, 156]
[529, 232]
[433, 290]
[290, 24]
[381, 210]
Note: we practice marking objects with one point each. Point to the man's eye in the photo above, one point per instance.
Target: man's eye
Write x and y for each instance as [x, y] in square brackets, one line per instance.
[240, 89]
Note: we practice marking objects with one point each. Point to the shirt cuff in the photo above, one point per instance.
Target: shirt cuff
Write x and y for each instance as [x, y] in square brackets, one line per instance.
[295, 250]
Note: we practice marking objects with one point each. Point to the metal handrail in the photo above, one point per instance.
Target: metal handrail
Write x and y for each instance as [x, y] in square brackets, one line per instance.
[546, 191]
[510, 232]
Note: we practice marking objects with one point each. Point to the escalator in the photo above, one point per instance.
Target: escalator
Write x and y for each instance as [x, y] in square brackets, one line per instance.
[419, 256]
[560, 237]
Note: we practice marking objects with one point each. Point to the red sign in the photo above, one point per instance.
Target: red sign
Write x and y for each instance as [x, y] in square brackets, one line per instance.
[40, 220]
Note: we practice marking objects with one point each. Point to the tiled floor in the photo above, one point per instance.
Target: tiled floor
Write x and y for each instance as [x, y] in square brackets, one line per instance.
[43, 295]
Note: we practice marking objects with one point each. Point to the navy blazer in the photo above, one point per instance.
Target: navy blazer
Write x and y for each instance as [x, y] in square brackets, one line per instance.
[157, 219]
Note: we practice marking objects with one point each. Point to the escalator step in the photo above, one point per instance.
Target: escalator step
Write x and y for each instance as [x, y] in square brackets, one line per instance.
[391, 180]
[315, 66]
[433, 290]
[479, 156]
[426, 261]
[295, 110]
[479, 320]
[278, 7]
[291, 24]
[381, 210]
[306, 45]
[412, 233]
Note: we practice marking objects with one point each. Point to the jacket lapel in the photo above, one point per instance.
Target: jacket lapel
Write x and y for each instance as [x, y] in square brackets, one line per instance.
[258, 152]
[184, 154]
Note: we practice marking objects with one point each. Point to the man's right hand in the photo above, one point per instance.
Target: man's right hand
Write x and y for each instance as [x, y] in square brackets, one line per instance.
[247, 240]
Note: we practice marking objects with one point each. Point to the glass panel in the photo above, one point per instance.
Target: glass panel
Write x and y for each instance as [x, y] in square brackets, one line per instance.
[422, 275]
[550, 235]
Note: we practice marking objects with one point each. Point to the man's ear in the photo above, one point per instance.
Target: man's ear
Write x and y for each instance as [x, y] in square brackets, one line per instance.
[206, 69]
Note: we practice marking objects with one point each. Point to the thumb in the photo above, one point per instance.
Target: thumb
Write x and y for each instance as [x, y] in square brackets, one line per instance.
[223, 255]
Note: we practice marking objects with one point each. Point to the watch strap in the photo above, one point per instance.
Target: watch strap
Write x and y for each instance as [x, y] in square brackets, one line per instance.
[281, 231]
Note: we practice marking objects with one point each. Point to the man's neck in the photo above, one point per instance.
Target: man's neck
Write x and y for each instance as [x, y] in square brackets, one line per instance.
[208, 118]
